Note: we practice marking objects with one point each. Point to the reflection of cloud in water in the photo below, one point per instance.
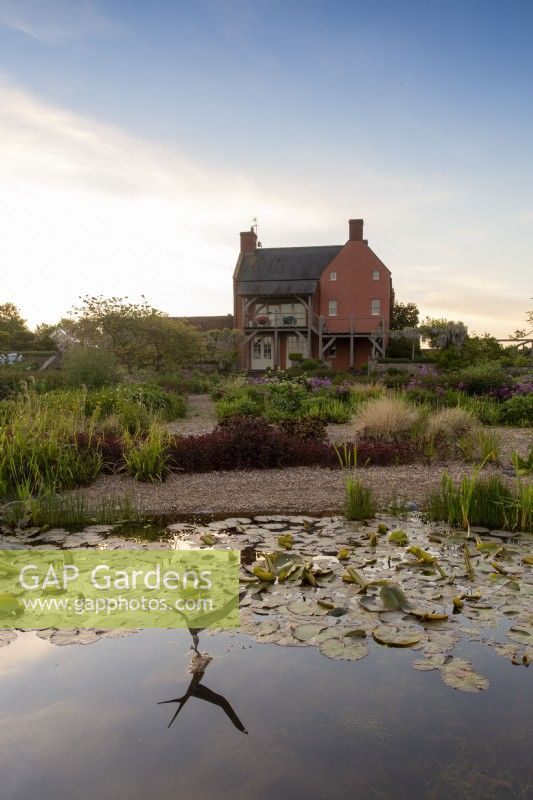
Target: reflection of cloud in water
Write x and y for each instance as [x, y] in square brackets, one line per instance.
[22, 654]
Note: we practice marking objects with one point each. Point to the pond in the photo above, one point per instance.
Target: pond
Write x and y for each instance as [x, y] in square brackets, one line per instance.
[260, 720]
[84, 721]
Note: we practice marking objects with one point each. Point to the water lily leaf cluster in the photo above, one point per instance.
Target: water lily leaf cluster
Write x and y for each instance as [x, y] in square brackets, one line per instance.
[437, 590]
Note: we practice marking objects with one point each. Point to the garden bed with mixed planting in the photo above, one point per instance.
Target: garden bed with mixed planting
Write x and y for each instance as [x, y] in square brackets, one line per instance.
[63, 439]
[490, 395]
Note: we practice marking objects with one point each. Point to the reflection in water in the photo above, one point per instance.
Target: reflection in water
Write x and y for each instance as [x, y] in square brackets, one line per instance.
[198, 666]
[197, 689]
[80, 722]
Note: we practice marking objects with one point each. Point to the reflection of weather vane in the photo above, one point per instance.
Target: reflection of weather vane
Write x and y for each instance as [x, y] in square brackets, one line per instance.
[196, 689]
[199, 665]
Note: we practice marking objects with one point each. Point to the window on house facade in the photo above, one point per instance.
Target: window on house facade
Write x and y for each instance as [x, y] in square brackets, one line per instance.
[375, 275]
[333, 276]
[376, 308]
[332, 308]
[332, 352]
[295, 344]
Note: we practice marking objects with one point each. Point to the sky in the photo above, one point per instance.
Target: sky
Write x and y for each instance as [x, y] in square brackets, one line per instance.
[138, 138]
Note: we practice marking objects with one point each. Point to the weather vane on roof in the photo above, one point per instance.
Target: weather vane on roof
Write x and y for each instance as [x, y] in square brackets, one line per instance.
[255, 227]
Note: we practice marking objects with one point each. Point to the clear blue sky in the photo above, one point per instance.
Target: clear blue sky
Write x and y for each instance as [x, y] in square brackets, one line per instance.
[140, 137]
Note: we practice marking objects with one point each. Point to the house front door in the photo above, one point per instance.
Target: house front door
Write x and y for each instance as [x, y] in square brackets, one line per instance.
[262, 352]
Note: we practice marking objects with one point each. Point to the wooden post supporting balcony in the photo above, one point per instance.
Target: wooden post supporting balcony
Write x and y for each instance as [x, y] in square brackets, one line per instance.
[351, 342]
[309, 323]
[276, 341]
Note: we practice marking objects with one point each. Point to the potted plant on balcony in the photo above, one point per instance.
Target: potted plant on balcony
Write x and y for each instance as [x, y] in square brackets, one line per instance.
[289, 319]
[262, 320]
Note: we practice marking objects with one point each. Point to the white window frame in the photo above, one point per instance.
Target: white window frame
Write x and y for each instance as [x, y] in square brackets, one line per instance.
[375, 275]
[332, 304]
[375, 307]
[333, 275]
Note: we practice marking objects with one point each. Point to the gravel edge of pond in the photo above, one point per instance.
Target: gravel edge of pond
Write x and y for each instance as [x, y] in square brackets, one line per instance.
[309, 490]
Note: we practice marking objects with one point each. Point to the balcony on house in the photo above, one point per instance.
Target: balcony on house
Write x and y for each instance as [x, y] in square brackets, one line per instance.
[286, 314]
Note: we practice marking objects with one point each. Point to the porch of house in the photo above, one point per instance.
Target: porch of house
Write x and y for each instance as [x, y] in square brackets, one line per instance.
[272, 348]
[275, 328]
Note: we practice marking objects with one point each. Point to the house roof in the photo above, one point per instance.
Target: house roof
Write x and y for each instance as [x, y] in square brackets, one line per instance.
[208, 323]
[278, 271]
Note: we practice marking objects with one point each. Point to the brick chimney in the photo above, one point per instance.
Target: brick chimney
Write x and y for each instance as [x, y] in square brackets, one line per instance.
[356, 230]
[248, 241]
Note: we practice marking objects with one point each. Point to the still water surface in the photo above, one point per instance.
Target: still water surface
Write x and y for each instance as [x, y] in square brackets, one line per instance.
[83, 722]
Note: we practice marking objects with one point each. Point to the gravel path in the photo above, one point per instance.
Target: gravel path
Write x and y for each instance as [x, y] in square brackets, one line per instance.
[311, 490]
[200, 417]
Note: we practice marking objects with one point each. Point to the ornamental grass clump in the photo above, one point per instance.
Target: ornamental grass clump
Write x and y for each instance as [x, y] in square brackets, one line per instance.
[487, 501]
[241, 406]
[480, 446]
[362, 393]
[450, 424]
[521, 509]
[146, 458]
[485, 409]
[328, 409]
[387, 418]
[38, 452]
[359, 500]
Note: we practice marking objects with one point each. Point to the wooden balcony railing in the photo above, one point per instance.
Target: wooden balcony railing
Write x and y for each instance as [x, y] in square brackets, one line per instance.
[276, 319]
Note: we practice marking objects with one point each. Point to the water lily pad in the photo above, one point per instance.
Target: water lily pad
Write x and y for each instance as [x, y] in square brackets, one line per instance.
[304, 609]
[392, 597]
[398, 537]
[521, 635]
[395, 636]
[6, 637]
[488, 547]
[8, 605]
[68, 637]
[307, 631]
[266, 628]
[338, 611]
[332, 632]
[421, 555]
[119, 633]
[371, 604]
[345, 650]
[459, 674]
[264, 574]
[426, 664]
[428, 614]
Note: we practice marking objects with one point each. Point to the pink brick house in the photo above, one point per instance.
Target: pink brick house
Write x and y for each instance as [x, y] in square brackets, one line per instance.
[326, 302]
